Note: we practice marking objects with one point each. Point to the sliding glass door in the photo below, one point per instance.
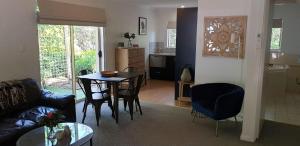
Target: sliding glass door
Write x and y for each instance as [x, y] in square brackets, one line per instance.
[64, 52]
[86, 48]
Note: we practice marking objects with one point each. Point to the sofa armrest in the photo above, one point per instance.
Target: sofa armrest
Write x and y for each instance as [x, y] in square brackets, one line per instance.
[65, 103]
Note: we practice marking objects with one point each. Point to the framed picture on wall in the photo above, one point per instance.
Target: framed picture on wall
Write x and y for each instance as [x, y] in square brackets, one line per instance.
[142, 26]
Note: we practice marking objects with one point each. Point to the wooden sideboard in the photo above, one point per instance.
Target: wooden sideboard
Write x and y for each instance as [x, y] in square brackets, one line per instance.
[130, 57]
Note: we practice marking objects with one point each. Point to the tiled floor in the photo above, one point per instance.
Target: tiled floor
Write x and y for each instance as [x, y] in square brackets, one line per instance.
[283, 108]
[159, 92]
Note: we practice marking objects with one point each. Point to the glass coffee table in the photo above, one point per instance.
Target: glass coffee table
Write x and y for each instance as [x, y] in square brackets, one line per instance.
[80, 134]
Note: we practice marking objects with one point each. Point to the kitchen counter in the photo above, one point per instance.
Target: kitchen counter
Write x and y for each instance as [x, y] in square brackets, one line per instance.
[164, 54]
[277, 67]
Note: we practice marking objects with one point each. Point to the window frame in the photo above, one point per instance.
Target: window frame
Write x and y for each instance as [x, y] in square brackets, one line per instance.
[168, 38]
[280, 39]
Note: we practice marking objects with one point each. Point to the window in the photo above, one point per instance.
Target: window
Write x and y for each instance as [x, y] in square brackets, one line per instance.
[171, 38]
[276, 36]
[64, 51]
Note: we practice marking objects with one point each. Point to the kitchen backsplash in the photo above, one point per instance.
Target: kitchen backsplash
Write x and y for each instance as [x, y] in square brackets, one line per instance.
[159, 47]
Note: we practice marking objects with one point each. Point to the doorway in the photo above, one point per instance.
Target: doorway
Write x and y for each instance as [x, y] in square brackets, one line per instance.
[66, 50]
[282, 75]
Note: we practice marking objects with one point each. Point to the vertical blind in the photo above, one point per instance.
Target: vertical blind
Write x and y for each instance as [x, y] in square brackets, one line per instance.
[276, 23]
[171, 25]
[53, 12]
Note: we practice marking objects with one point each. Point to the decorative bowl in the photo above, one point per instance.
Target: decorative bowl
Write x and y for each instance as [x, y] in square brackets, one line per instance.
[109, 73]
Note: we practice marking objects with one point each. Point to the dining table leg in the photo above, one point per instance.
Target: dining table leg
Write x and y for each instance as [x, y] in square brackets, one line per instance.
[116, 101]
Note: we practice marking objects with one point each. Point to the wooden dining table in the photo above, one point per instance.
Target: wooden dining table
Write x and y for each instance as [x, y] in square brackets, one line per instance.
[111, 82]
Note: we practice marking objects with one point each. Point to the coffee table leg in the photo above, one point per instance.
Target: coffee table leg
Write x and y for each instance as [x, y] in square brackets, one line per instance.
[91, 142]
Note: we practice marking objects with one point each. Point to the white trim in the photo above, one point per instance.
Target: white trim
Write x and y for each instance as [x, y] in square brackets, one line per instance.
[257, 47]
[72, 43]
[105, 51]
[247, 138]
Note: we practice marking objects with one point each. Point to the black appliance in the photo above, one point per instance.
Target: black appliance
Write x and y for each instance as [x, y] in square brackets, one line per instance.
[162, 67]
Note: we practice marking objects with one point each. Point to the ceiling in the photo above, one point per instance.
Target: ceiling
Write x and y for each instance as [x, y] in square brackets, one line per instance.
[285, 1]
[161, 3]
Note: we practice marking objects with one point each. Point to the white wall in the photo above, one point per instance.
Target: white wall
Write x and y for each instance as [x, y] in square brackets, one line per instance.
[125, 19]
[19, 56]
[218, 69]
[247, 72]
[19, 52]
[290, 14]
[162, 17]
[122, 17]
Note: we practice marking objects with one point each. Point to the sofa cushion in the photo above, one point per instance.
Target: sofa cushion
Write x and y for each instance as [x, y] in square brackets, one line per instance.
[32, 91]
[12, 128]
[12, 95]
[36, 114]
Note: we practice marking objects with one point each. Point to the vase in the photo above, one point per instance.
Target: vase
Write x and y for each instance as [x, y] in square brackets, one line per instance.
[50, 133]
[129, 44]
[186, 75]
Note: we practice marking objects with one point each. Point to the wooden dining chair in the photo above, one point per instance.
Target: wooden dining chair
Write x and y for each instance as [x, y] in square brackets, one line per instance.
[99, 84]
[130, 95]
[94, 98]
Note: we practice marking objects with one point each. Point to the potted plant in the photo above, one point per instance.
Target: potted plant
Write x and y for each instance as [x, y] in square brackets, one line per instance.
[51, 120]
[129, 36]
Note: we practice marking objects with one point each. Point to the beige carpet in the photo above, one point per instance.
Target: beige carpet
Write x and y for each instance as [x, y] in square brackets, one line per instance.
[172, 126]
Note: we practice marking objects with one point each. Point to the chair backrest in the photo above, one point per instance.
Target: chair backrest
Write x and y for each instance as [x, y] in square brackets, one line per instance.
[139, 84]
[84, 84]
[85, 72]
[130, 69]
[79, 81]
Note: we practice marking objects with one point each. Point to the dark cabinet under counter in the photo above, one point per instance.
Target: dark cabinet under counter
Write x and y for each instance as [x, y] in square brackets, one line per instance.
[162, 66]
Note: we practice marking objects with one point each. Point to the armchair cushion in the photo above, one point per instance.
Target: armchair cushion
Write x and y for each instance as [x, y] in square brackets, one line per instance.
[229, 104]
[217, 100]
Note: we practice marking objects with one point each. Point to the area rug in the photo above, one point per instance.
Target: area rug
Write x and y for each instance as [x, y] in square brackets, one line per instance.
[162, 125]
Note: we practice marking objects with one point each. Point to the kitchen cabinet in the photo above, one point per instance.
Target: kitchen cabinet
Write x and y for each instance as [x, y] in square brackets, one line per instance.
[162, 66]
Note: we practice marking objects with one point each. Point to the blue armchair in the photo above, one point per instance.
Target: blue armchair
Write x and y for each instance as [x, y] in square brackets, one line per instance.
[218, 101]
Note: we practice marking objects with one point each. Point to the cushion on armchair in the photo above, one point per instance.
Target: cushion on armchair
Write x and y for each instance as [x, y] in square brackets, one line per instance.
[217, 100]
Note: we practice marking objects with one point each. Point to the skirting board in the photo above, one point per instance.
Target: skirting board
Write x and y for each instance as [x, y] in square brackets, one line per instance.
[247, 138]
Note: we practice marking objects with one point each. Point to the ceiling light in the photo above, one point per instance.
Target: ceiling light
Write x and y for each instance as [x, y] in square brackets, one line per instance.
[182, 6]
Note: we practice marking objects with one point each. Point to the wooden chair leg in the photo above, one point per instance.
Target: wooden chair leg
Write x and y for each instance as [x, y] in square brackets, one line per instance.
[217, 127]
[136, 105]
[130, 104]
[139, 105]
[97, 113]
[84, 111]
[84, 105]
[125, 104]
[194, 116]
[111, 107]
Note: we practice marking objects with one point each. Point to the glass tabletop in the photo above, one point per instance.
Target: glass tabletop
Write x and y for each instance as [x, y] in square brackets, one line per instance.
[80, 134]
